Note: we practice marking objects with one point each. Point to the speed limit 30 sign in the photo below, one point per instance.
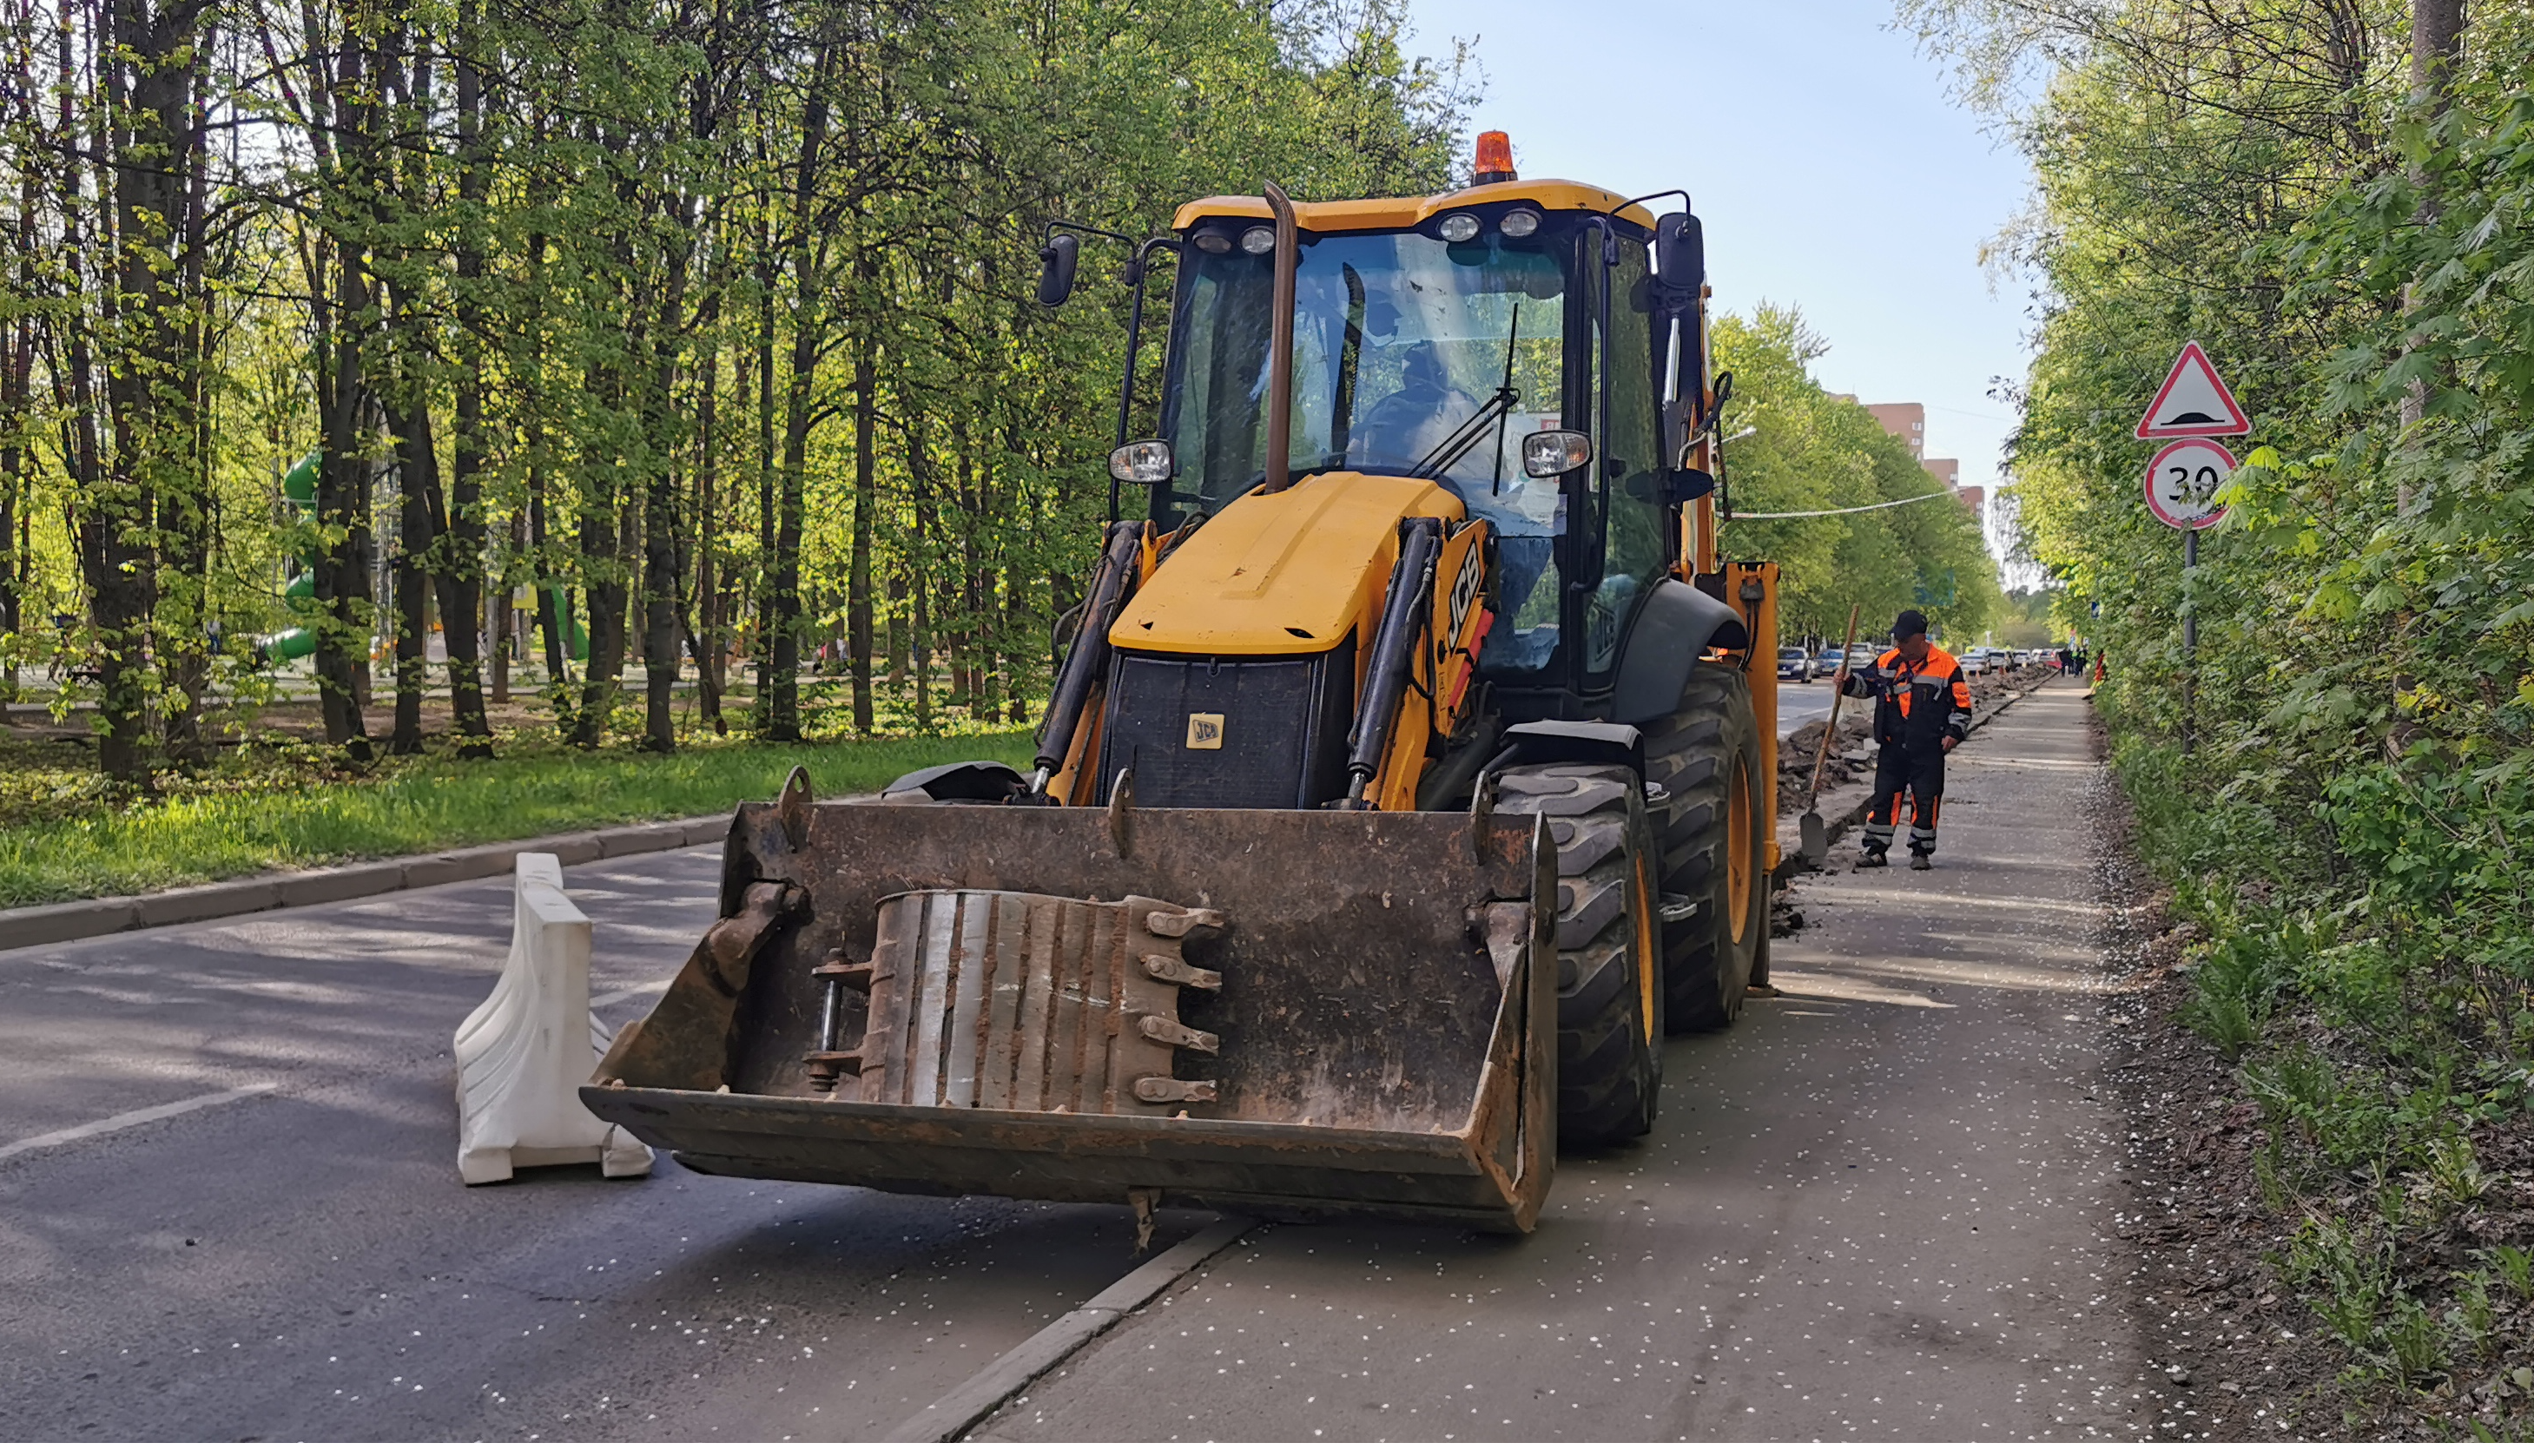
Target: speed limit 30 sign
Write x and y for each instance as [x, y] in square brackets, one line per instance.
[2182, 483]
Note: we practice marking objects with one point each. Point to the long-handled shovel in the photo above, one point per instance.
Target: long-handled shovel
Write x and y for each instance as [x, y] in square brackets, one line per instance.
[1816, 837]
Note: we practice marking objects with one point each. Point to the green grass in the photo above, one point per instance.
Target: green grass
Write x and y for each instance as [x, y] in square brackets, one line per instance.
[277, 805]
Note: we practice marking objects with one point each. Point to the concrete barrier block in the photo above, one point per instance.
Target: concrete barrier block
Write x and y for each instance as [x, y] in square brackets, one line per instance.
[44, 924]
[640, 839]
[523, 1055]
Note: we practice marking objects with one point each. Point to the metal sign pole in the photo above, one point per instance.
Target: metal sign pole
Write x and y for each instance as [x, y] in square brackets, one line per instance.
[2189, 636]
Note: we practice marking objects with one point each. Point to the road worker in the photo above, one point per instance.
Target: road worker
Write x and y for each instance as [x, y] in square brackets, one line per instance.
[1922, 710]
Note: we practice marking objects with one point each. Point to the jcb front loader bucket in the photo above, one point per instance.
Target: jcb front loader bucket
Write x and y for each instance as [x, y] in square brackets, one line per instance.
[971, 999]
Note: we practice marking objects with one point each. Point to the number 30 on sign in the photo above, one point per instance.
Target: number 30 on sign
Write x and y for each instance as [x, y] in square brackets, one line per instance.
[2182, 483]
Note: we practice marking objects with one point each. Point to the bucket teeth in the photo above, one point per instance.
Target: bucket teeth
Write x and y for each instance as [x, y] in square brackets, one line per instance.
[1008, 1001]
[1170, 1033]
[1180, 973]
[1175, 924]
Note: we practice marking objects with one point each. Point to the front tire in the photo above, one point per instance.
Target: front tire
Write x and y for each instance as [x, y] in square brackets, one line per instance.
[1705, 753]
[1609, 972]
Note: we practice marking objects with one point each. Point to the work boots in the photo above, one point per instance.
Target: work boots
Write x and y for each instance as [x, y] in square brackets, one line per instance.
[1919, 860]
[1871, 857]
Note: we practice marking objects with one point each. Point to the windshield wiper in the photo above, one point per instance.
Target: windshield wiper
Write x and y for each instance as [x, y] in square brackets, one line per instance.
[1473, 429]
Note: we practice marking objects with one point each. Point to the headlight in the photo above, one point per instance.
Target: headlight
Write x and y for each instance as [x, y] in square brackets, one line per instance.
[1141, 462]
[1212, 241]
[1547, 453]
[1460, 227]
[1258, 242]
[1521, 223]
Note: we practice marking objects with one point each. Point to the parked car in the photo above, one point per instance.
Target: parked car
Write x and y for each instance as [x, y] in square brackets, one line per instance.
[1975, 662]
[1794, 665]
[1826, 664]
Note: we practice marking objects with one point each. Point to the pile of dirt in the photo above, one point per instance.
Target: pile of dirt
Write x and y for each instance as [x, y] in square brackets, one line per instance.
[1850, 759]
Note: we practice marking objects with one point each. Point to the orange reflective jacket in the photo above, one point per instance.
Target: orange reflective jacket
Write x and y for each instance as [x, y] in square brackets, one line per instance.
[1917, 704]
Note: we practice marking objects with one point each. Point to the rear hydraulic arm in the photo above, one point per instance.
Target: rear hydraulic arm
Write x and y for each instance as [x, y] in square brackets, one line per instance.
[1394, 643]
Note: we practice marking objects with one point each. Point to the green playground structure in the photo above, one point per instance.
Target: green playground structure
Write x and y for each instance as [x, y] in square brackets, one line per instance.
[299, 488]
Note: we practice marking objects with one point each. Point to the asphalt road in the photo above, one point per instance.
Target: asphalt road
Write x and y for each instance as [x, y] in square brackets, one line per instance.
[1800, 704]
[1879, 1207]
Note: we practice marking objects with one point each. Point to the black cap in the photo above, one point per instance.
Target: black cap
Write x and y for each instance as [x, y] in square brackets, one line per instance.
[1908, 624]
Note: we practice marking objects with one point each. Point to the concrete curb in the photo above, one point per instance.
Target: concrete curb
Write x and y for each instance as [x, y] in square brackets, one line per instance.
[78, 920]
[1792, 864]
[976, 1397]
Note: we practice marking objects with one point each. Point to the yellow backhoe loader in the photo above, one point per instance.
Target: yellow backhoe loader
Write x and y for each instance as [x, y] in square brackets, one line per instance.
[1411, 772]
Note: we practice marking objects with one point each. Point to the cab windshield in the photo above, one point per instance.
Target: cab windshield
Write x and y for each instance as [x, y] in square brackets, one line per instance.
[1400, 340]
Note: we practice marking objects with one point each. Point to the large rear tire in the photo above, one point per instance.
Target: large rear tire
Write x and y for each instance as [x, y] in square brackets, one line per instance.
[1706, 755]
[1609, 973]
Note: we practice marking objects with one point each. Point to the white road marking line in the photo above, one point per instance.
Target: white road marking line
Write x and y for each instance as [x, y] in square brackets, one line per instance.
[628, 993]
[121, 1120]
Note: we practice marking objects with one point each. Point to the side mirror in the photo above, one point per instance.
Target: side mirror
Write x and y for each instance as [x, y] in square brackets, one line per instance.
[1548, 453]
[1056, 260]
[1141, 462]
[1680, 251]
[1687, 485]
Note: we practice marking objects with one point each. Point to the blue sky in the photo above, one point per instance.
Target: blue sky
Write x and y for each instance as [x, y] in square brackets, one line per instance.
[1831, 171]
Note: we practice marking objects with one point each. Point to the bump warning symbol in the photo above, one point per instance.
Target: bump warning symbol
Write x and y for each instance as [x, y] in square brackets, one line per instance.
[2195, 404]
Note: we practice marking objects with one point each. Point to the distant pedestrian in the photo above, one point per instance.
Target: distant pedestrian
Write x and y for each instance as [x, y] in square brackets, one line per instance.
[1922, 710]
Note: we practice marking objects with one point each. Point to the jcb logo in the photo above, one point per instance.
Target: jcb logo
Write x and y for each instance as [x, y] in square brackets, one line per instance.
[1205, 730]
[1465, 591]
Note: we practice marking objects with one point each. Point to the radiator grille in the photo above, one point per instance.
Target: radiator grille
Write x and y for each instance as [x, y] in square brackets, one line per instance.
[1283, 730]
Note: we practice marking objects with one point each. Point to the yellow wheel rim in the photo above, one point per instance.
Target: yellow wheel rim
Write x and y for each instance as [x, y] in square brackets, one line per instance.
[1737, 857]
[1648, 953]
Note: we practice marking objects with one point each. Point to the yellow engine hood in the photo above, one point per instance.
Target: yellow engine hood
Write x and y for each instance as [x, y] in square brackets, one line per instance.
[1283, 574]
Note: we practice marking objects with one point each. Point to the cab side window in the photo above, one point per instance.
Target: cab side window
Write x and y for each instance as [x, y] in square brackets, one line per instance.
[1636, 546]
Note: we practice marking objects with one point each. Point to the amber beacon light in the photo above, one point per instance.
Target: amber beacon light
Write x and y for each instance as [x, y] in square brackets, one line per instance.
[1494, 161]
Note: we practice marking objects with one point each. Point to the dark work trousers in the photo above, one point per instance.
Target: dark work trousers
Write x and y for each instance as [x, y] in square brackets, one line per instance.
[1920, 776]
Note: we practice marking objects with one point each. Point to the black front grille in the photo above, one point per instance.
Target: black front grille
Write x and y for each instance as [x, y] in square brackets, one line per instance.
[1283, 732]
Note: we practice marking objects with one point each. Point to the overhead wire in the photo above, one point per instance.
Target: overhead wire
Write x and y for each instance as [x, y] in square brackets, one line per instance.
[1835, 511]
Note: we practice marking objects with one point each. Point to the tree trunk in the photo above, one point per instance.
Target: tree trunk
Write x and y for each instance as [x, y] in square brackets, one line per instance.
[149, 91]
[761, 645]
[185, 514]
[661, 536]
[340, 572]
[2437, 48]
[858, 588]
[417, 480]
[460, 558]
[706, 638]
[602, 579]
[779, 714]
[17, 398]
[919, 476]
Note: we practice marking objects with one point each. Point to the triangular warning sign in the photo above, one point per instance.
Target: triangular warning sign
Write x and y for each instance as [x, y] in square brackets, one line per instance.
[2193, 402]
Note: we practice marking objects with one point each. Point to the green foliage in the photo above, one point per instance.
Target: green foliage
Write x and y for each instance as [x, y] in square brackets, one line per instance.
[2339, 783]
[718, 314]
